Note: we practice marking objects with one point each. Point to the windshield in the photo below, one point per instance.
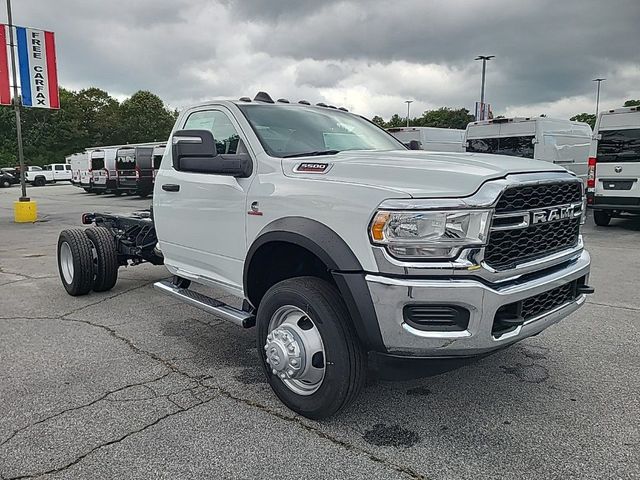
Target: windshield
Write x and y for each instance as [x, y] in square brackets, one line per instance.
[288, 130]
[619, 145]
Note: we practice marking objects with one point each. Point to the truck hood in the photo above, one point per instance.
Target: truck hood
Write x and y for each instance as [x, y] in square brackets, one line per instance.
[417, 173]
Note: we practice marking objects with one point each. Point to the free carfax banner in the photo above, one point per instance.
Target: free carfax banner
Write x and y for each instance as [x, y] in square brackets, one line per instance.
[38, 74]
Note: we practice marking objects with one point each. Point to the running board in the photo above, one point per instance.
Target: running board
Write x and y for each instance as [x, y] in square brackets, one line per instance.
[208, 304]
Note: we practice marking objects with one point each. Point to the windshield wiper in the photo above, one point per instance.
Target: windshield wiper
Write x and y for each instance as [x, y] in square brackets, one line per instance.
[313, 154]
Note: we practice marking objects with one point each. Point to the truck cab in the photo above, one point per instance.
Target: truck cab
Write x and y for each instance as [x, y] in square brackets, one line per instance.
[562, 142]
[614, 165]
[341, 245]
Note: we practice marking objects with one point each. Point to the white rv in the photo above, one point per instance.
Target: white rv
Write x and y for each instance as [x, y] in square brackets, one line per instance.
[430, 138]
[554, 140]
[613, 184]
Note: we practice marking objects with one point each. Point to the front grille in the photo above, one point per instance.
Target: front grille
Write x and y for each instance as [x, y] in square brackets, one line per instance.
[513, 314]
[544, 302]
[528, 197]
[508, 248]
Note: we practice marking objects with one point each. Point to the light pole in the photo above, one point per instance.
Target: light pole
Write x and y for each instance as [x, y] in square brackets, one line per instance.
[484, 59]
[599, 80]
[16, 103]
[408, 102]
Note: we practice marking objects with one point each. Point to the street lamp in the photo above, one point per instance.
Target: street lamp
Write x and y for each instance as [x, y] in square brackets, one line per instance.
[484, 59]
[408, 102]
[599, 80]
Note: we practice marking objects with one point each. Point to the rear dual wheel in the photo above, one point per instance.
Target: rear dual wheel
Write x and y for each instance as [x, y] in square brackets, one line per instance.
[601, 217]
[87, 260]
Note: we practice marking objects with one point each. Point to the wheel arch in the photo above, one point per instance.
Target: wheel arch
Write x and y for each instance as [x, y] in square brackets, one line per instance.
[310, 238]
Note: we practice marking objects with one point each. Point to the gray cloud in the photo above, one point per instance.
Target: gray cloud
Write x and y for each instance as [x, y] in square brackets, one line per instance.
[368, 55]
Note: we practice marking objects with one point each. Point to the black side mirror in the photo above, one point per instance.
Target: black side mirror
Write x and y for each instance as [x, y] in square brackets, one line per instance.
[195, 151]
[414, 145]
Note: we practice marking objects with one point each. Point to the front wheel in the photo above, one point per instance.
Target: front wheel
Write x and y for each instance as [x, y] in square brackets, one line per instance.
[308, 347]
[601, 217]
[39, 182]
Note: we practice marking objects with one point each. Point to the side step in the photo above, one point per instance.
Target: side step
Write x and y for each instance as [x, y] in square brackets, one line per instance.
[208, 304]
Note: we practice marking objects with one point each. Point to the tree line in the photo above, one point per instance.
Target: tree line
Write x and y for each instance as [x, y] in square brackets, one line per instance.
[86, 118]
[445, 117]
[91, 117]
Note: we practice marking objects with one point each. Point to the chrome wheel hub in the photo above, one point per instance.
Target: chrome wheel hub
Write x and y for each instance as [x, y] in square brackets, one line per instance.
[66, 262]
[294, 350]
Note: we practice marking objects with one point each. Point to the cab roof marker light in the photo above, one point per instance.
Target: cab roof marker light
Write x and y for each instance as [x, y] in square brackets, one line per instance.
[263, 97]
[244, 99]
[283, 100]
[304, 102]
[321, 104]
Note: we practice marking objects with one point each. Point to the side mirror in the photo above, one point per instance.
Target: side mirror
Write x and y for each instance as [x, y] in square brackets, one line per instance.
[414, 145]
[195, 151]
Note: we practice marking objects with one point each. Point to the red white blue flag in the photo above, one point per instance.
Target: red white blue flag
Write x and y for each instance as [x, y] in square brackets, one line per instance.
[38, 73]
[5, 93]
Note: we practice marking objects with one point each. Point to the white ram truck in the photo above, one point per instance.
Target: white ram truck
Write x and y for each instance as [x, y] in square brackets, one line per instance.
[343, 245]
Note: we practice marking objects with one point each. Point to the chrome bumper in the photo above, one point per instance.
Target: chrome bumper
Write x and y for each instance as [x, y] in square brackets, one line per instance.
[390, 295]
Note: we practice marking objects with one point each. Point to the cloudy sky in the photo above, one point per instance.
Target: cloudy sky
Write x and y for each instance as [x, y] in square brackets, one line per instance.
[369, 56]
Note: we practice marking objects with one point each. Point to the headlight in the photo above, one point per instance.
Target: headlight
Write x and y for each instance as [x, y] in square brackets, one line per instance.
[429, 234]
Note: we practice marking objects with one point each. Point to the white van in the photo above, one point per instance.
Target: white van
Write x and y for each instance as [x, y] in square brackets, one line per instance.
[613, 185]
[158, 153]
[430, 138]
[79, 170]
[103, 169]
[554, 140]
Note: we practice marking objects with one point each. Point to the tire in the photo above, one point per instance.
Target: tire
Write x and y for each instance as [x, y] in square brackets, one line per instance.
[75, 262]
[344, 361]
[180, 282]
[6, 183]
[39, 182]
[105, 260]
[88, 190]
[601, 218]
[117, 193]
[144, 194]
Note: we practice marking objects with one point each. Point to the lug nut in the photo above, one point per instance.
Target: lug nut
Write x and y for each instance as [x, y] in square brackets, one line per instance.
[292, 348]
[294, 362]
[282, 375]
[290, 372]
[274, 371]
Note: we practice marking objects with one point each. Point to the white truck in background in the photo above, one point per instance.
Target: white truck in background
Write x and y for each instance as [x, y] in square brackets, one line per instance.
[343, 246]
[430, 138]
[563, 142]
[613, 184]
[56, 172]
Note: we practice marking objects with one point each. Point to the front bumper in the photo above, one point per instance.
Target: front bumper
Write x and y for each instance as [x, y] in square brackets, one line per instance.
[390, 295]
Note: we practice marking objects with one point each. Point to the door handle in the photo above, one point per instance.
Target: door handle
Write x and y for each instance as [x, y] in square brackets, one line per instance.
[171, 187]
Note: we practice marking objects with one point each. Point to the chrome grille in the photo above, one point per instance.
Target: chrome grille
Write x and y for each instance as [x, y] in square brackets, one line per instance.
[514, 239]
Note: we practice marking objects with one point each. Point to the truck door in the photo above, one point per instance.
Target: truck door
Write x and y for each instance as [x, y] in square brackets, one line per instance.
[201, 226]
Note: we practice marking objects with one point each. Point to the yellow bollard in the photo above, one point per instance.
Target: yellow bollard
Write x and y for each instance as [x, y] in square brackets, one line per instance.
[25, 211]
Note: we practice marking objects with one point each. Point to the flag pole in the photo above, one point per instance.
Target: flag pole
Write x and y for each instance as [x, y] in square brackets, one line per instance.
[16, 105]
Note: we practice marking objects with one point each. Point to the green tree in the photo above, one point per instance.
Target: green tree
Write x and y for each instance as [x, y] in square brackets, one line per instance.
[445, 117]
[589, 118]
[144, 118]
[632, 103]
[378, 120]
[396, 121]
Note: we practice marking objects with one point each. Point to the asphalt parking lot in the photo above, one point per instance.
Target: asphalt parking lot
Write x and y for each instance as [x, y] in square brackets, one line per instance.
[131, 384]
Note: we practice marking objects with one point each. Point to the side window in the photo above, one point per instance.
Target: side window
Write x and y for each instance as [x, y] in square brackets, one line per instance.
[219, 124]
[59, 167]
[483, 145]
[517, 146]
[67, 167]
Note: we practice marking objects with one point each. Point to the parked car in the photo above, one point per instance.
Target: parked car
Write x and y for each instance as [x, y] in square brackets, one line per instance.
[554, 140]
[342, 245]
[430, 138]
[134, 170]
[7, 178]
[613, 183]
[56, 172]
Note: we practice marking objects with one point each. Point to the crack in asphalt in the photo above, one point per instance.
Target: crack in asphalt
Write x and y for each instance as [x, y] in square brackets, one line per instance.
[633, 309]
[111, 442]
[78, 407]
[199, 380]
